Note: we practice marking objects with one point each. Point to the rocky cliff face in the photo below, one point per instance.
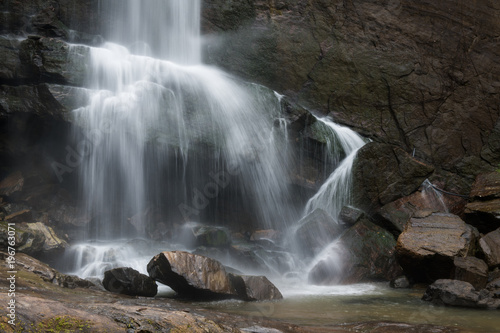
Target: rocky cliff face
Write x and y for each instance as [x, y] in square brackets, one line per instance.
[418, 75]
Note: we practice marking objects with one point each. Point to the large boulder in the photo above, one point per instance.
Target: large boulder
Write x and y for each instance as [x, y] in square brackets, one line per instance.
[128, 281]
[429, 243]
[199, 277]
[365, 252]
[490, 245]
[192, 275]
[398, 175]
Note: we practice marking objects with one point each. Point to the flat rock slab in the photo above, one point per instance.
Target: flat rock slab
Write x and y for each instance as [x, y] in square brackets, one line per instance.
[429, 243]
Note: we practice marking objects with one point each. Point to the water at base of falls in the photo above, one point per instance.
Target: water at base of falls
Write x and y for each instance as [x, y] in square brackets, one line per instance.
[175, 141]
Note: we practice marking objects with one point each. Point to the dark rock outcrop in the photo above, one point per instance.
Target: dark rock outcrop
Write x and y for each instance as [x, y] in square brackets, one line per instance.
[429, 243]
[399, 175]
[350, 215]
[378, 67]
[128, 281]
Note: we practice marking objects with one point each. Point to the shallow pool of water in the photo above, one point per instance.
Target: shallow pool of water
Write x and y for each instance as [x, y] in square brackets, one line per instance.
[324, 306]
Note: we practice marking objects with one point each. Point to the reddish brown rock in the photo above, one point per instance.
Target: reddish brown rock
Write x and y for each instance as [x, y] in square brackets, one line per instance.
[429, 243]
[192, 275]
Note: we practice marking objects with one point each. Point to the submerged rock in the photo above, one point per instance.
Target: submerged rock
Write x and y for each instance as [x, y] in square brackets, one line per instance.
[429, 243]
[401, 282]
[128, 281]
[452, 292]
[462, 294]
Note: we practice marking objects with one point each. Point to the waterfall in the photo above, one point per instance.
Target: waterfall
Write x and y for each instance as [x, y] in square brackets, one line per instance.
[176, 142]
[335, 192]
[169, 131]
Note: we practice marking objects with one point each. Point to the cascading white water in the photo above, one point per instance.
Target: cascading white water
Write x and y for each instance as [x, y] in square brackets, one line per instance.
[336, 191]
[166, 130]
[157, 28]
[172, 135]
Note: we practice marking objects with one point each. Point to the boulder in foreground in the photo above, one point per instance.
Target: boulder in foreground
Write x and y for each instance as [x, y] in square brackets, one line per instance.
[128, 281]
[199, 277]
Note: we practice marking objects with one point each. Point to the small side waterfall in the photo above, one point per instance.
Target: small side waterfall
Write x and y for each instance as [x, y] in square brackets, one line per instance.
[335, 192]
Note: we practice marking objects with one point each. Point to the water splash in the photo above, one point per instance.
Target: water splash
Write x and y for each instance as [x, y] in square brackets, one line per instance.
[432, 197]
